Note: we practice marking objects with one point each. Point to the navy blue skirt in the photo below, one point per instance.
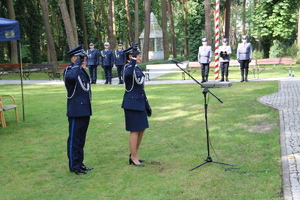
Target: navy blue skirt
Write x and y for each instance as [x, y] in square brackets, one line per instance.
[136, 120]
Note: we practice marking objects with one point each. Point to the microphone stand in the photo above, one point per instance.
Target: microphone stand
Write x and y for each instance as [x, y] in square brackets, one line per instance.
[205, 91]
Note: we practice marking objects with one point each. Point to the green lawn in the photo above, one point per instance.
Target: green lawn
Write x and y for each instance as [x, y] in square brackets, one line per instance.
[243, 132]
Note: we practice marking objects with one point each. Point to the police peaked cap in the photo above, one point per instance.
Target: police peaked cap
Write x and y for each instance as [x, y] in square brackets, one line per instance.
[204, 40]
[225, 40]
[244, 37]
[76, 51]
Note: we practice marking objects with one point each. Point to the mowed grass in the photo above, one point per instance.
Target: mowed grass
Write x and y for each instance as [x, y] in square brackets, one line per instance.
[243, 132]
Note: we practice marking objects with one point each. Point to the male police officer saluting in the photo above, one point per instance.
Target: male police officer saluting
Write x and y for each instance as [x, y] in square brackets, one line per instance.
[77, 83]
[244, 56]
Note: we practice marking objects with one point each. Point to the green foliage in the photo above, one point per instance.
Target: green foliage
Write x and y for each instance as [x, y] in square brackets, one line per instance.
[258, 54]
[277, 49]
[196, 23]
[31, 25]
[275, 18]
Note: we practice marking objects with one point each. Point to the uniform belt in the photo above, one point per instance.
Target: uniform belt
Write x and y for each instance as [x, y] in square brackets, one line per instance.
[204, 56]
[244, 52]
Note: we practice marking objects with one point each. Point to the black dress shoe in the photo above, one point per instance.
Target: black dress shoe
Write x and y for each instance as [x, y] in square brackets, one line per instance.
[139, 159]
[85, 168]
[138, 165]
[79, 171]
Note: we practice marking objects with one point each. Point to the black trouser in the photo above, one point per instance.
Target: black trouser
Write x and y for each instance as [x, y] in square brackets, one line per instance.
[77, 133]
[244, 67]
[108, 73]
[224, 69]
[93, 73]
[120, 72]
[204, 69]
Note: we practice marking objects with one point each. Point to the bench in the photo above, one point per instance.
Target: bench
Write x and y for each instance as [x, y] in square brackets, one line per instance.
[286, 62]
[10, 68]
[164, 68]
[60, 70]
[39, 68]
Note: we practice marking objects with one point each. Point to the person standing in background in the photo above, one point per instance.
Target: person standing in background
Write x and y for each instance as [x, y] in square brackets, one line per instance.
[244, 57]
[92, 61]
[204, 58]
[107, 62]
[120, 59]
[225, 52]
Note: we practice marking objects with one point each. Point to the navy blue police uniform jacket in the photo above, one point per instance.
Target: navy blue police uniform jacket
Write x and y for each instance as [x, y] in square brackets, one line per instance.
[92, 57]
[120, 57]
[107, 58]
[77, 83]
[135, 97]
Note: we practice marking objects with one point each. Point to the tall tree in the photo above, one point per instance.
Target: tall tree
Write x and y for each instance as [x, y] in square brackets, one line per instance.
[136, 20]
[146, 32]
[244, 18]
[13, 44]
[67, 22]
[111, 24]
[227, 18]
[164, 28]
[73, 21]
[186, 41]
[50, 41]
[85, 40]
[207, 9]
[173, 41]
[129, 23]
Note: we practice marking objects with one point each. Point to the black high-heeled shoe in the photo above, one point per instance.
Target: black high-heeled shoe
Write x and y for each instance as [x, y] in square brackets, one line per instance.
[139, 159]
[138, 165]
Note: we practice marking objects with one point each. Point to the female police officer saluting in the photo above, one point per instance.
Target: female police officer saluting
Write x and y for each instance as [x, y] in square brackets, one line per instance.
[135, 105]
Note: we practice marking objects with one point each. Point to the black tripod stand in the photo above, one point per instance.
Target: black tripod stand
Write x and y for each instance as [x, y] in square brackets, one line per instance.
[205, 91]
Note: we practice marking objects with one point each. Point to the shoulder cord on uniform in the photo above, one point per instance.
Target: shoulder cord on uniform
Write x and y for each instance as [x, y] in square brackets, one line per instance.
[86, 89]
[102, 54]
[136, 80]
[117, 55]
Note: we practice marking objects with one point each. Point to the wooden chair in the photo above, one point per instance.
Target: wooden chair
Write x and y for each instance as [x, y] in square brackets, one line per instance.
[5, 107]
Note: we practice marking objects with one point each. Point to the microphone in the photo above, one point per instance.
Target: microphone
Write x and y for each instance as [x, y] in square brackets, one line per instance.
[175, 61]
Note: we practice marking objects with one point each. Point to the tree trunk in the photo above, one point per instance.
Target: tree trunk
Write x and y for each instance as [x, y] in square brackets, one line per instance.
[186, 41]
[50, 41]
[136, 21]
[67, 23]
[227, 19]
[13, 44]
[170, 10]
[85, 37]
[146, 32]
[244, 17]
[73, 21]
[207, 9]
[164, 28]
[111, 24]
[129, 24]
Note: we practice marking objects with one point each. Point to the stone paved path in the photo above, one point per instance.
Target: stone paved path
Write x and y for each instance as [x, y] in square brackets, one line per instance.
[287, 101]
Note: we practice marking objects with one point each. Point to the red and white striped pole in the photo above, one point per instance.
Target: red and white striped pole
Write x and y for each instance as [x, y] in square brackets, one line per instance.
[217, 22]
